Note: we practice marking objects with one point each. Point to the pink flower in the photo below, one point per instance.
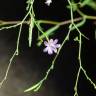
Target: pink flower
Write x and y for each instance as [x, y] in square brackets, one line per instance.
[51, 46]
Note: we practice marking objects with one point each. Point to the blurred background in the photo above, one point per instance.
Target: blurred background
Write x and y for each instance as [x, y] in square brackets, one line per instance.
[31, 64]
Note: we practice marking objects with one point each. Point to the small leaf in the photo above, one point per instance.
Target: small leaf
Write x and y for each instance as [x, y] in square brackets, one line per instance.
[36, 89]
[74, 6]
[33, 87]
[31, 26]
[92, 4]
[39, 43]
[85, 2]
[76, 38]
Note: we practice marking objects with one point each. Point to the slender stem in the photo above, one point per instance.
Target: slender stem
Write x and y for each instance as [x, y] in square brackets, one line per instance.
[3, 23]
[60, 23]
[12, 22]
[86, 16]
[91, 17]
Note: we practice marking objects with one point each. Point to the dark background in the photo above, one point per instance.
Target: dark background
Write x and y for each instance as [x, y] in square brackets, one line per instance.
[31, 64]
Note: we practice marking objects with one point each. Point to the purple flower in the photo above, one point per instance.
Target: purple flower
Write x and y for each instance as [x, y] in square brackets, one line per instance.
[51, 46]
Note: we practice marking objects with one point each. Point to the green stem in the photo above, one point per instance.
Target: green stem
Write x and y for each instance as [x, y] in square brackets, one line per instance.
[86, 16]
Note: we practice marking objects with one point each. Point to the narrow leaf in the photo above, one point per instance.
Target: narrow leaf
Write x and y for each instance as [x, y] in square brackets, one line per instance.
[33, 87]
[31, 26]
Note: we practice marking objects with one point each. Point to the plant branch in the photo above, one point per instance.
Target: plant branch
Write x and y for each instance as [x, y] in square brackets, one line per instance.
[86, 16]
[3, 23]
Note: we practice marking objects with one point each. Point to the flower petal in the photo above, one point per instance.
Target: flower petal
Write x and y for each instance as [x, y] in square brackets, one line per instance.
[58, 45]
[50, 51]
[55, 41]
[51, 41]
[45, 43]
[45, 49]
[55, 50]
[48, 2]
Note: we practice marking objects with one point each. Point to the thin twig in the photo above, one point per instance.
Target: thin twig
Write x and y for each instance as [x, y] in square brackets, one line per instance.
[3, 23]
